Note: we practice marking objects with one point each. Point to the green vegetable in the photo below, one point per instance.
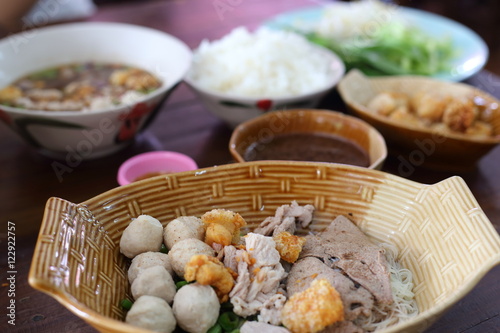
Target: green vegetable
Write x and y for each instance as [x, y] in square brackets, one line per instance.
[126, 304]
[393, 49]
[181, 284]
[50, 73]
[229, 321]
[163, 249]
[215, 329]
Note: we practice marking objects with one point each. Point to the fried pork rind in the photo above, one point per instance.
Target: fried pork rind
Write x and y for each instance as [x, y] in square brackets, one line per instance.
[313, 309]
[430, 106]
[459, 115]
[387, 102]
[208, 270]
[222, 226]
[289, 246]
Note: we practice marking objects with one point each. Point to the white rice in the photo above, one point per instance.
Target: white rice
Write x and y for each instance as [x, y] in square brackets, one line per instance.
[266, 63]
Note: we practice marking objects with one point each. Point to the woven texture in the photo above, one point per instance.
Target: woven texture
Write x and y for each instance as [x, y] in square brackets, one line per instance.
[441, 151]
[443, 236]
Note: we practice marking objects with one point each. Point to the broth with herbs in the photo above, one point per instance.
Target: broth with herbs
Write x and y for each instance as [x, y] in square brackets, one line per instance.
[85, 86]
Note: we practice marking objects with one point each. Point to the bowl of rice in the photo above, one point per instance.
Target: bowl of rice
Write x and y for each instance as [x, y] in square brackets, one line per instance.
[245, 74]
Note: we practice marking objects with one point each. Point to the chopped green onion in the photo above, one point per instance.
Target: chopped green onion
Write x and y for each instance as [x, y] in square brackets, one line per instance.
[215, 329]
[126, 304]
[181, 284]
[229, 321]
[163, 249]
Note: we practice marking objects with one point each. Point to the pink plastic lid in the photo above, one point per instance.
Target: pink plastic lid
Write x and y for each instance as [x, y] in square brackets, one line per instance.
[150, 163]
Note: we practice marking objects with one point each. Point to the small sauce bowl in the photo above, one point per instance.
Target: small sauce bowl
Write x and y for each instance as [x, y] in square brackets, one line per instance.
[154, 163]
[269, 127]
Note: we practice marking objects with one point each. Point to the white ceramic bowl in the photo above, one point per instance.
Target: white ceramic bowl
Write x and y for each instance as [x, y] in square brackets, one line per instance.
[85, 135]
[235, 109]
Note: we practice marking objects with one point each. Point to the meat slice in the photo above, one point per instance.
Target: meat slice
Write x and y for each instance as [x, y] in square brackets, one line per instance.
[286, 219]
[356, 299]
[344, 246]
[343, 327]
[259, 274]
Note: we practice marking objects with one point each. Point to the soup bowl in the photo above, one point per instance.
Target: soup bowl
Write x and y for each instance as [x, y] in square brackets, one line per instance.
[90, 134]
[442, 235]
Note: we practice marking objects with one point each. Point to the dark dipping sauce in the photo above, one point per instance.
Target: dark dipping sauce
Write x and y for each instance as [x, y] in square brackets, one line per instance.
[308, 147]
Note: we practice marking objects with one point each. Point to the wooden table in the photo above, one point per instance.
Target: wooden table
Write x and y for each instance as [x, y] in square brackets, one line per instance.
[27, 179]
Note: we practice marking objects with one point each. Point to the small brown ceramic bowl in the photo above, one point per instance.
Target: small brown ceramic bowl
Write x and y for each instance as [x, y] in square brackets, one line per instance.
[266, 128]
[416, 145]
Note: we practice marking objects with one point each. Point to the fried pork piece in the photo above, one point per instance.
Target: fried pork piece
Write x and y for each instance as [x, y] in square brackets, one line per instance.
[404, 116]
[428, 105]
[313, 309]
[387, 102]
[480, 129]
[9, 94]
[459, 115]
[134, 78]
[222, 226]
[289, 246]
[286, 219]
[210, 271]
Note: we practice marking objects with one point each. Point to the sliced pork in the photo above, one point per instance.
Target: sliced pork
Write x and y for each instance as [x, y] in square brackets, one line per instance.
[342, 245]
[286, 219]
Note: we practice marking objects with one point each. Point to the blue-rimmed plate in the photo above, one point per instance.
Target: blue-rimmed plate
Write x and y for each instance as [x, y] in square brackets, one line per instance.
[471, 50]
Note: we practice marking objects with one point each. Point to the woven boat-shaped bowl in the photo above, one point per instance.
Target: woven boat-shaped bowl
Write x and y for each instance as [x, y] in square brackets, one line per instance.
[442, 234]
[419, 145]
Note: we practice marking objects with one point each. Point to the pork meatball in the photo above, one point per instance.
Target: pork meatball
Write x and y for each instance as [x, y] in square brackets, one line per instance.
[154, 281]
[196, 308]
[182, 251]
[152, 313]
[143, 234]
[181, 228]
[146, 260]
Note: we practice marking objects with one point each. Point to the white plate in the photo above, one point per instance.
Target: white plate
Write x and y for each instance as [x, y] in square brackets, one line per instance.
[472, 51]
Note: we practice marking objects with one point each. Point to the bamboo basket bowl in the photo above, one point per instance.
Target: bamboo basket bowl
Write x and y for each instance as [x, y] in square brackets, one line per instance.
[328, 122]
[442, 234]
[420, 146]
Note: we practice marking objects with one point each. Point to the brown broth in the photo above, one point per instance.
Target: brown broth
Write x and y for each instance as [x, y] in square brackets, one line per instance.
[308, 147]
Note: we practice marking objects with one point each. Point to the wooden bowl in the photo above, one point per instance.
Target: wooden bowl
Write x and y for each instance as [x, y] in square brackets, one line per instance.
[309, 121]
[442, 234]
[419, 146]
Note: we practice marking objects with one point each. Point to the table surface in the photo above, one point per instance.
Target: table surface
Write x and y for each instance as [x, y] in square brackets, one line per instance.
[27, 179]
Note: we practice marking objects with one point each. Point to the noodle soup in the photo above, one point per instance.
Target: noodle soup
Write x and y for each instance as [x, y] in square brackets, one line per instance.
[85, 86]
